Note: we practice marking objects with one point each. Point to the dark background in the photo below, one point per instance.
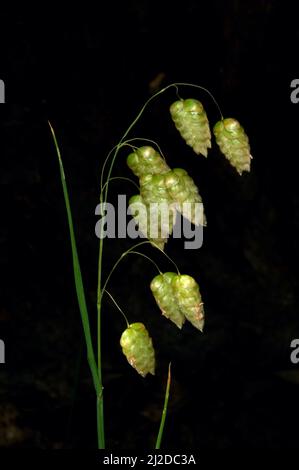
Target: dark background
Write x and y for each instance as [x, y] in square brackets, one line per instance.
[90, 72]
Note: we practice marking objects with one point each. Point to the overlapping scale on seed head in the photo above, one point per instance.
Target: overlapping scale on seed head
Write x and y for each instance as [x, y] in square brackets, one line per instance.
[233, 143]
[161, 210]
[140, 212]
[153, 189]
[146, 160]
[184, 192]
[191, 121]
[189, 299]
[162, 290]
[138, 348]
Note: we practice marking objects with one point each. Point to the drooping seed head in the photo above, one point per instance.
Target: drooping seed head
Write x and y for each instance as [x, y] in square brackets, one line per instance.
[140, 212]
[138, 348]
[162, 289]
[233, 143]
[191, 121]
[146, 160]
[184, 193]
[189, 299]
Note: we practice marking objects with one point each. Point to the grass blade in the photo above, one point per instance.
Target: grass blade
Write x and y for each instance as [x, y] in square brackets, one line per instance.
[164, 412]
[77, 273]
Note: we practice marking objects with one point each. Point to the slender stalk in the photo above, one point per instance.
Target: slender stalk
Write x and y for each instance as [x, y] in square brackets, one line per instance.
[200, 88]
[121, 178]
[169, 258]
[118, 307]
[100, 397]
[130, 250]
[164, 412]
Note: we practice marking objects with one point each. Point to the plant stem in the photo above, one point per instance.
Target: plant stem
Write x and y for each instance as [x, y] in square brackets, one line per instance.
[130, 250]
[100, 397]
[121, 178]
[164, 412]
[118, 307]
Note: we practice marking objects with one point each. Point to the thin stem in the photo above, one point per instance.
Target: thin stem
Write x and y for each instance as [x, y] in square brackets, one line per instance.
[168, 257]
[146, 257]
[105, 163]
[204, 89]
[117, 306]
[130, 250]
[121, 178]
[116, 147]
[100, 398]
[148, 140]
[164, 412]
[125, 135]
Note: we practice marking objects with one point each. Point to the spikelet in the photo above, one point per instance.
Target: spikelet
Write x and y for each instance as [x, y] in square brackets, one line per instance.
[234, 143]
[161, 210]
[140, 213]
[191, 121]
[146, 160]
[138, 348]
[153, 189]
[178, 297]
[189, 299]
[162, 289]
[182, 189]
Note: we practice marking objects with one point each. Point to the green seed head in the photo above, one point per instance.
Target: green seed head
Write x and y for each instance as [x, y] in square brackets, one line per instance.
[184, 192]
[146, 224]
[163, 292]
[153, 189]
[233, 143]
[178, 298]
[193, 106]
[191, 121]
[189, 299]
[135, 199]
[146, 160]
[138, 348]
[176, 108]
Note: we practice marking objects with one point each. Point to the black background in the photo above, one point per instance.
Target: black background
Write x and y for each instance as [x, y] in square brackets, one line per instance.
[89, 72]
